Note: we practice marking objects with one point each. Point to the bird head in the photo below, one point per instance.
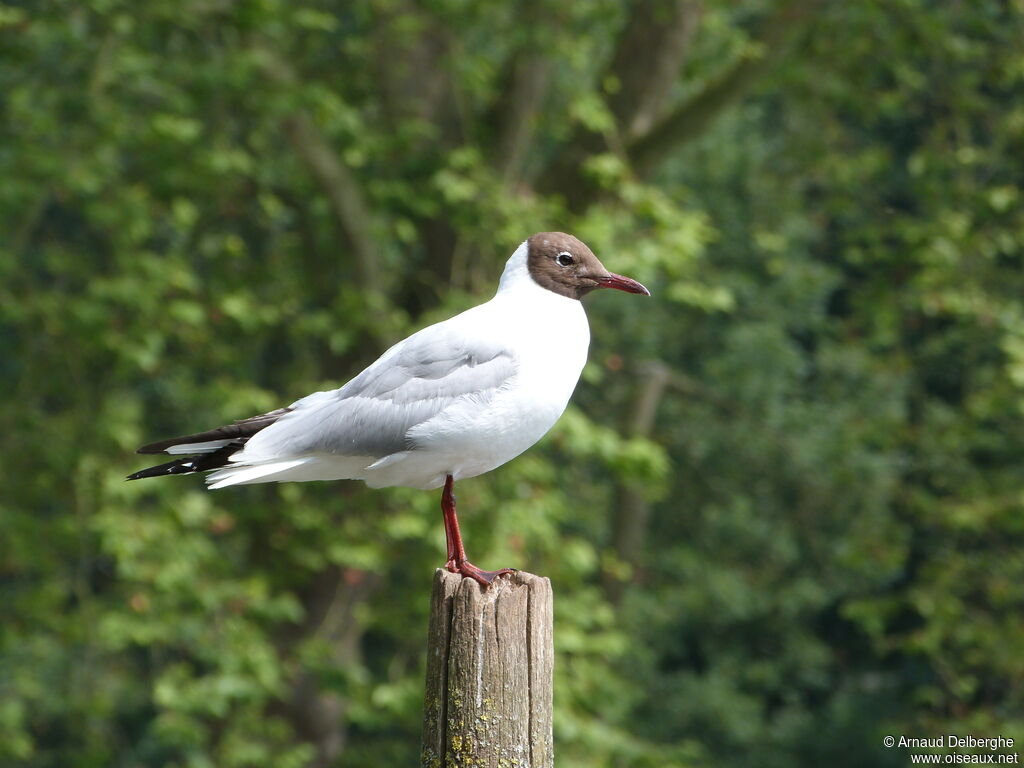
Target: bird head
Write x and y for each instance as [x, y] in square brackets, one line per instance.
[565, 265]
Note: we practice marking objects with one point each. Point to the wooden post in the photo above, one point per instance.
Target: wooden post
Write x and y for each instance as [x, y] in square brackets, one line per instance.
[489, 674]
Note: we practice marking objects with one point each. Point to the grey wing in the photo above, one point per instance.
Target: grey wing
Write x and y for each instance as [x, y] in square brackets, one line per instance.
[410, 384]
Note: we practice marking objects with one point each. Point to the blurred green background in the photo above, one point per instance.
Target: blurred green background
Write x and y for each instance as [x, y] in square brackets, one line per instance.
[784, 514]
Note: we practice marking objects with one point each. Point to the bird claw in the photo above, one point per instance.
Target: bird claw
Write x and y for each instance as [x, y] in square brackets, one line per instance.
[468, 570]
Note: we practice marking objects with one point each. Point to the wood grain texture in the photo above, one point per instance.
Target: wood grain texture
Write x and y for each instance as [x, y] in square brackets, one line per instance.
[490, 662]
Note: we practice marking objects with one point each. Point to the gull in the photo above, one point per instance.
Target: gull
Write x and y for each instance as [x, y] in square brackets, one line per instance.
[453, 400]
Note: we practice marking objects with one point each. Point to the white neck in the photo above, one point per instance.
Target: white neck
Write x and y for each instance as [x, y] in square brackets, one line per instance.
[517, 273]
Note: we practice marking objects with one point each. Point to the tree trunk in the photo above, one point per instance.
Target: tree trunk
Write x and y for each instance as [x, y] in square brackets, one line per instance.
[490, 661]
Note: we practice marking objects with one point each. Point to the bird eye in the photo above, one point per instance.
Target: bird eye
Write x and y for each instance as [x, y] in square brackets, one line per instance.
[564, 259]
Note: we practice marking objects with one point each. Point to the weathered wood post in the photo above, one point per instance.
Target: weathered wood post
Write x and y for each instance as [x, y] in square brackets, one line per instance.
[489, 674]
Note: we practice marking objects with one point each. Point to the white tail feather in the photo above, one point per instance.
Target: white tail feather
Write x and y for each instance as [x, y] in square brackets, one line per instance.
[261, 473]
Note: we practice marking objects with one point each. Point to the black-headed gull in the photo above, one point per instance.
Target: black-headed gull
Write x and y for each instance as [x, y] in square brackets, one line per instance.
[453, 400]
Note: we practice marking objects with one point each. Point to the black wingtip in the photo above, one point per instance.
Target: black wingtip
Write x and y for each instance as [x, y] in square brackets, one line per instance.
[186, 465]
[176, 467]
[240, 431]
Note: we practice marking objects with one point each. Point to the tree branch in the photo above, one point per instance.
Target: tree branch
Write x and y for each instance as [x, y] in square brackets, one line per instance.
[647, 60]
[692, 117]
[518, 120]
[633, 510]
[334, 177]
[331, 603]
[343, 193]
[411, 48]
[649, 51]
[520, 102]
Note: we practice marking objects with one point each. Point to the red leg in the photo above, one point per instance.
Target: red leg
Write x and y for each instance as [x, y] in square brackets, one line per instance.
[452, 536]
[457, 562]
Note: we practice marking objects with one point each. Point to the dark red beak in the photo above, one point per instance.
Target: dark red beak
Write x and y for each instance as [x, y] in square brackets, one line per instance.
[627, 284]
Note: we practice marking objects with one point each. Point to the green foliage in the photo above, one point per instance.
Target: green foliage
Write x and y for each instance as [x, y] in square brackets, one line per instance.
[209, 210]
